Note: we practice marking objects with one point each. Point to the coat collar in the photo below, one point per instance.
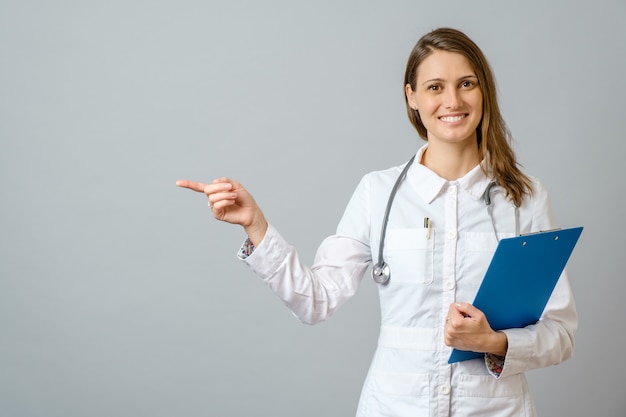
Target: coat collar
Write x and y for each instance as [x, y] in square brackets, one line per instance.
[429, 185]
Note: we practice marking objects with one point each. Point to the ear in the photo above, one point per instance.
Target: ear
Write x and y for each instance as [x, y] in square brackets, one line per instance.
[410, 96]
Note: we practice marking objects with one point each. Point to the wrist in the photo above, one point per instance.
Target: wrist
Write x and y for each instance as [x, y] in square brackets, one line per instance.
[256, 230]
[499, 344]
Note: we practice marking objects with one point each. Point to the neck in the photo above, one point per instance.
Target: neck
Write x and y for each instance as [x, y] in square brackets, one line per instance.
[451, 160]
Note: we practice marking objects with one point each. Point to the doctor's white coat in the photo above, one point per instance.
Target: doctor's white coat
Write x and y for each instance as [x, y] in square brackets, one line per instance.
[409, 374]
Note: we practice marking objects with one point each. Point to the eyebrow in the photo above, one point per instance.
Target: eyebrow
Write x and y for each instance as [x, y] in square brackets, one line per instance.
[465, 77]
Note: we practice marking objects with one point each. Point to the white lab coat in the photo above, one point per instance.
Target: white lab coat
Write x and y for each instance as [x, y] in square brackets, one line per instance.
[409, 374]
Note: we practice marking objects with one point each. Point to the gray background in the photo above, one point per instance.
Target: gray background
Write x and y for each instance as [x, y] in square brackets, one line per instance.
[121, 296]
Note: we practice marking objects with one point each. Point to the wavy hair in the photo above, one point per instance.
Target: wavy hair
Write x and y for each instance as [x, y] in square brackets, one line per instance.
[494, 137]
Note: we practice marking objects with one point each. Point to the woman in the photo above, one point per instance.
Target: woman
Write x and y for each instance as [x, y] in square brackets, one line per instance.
[439, 241]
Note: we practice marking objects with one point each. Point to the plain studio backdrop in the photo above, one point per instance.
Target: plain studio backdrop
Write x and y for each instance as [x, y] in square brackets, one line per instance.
[120, 295]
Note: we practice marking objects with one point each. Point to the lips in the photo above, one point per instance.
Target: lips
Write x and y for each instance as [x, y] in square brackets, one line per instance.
[453, 119]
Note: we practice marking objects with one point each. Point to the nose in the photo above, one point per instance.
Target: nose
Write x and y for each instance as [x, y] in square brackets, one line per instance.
[452, 99]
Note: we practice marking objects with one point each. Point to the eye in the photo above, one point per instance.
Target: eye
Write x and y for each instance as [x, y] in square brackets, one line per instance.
[434, 87]
[468, 84]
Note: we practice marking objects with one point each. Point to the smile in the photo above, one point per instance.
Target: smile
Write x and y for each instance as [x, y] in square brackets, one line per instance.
[452, 119]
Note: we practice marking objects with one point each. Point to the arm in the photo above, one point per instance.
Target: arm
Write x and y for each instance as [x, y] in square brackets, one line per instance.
[548, 342]
[312, 293]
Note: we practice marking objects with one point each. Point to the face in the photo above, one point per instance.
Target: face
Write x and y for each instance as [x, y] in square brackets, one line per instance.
[447, 97]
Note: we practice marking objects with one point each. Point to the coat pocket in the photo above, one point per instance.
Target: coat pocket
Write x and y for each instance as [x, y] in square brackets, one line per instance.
[484, 395]
[398, 394]
[409, 254]
[475, 255]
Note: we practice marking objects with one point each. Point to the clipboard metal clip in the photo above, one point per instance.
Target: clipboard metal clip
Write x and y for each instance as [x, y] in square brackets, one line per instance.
[541, 231]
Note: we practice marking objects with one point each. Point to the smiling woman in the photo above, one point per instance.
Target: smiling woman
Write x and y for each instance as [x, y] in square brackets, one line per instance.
[447, 98]
[442, 72]
[449, 103]
[437, 265]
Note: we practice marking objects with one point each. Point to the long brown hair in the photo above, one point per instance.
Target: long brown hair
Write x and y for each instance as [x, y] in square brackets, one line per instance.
[494, 137]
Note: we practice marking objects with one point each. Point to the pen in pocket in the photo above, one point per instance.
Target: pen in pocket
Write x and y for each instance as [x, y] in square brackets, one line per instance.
[427, 227]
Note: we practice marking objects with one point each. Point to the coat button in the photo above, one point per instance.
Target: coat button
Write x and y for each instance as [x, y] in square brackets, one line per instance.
[452, 189]
[444, 389]
[450, 284]
[451, 234]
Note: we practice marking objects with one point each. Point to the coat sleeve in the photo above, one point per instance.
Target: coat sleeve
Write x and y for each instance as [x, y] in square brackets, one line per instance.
[314, 293]
[551, 340]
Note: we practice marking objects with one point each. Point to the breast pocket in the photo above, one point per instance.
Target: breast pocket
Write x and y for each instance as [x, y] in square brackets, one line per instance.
[476, 253]
[409, 254]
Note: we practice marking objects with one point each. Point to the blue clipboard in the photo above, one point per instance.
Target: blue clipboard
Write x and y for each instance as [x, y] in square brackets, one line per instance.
[520, 279]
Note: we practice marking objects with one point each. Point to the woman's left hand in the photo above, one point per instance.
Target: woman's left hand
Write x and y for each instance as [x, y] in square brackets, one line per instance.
[467, 328]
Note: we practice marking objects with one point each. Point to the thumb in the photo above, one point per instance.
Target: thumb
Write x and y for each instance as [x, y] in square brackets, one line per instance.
[466, 309]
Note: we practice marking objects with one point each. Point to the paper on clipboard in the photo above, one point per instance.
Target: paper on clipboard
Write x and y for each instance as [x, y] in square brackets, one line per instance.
[520, 279]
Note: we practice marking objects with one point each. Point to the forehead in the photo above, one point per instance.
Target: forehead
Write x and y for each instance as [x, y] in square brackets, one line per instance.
[444, 65]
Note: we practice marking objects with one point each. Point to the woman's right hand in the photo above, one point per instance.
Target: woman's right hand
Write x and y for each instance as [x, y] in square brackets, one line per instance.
[232, 203]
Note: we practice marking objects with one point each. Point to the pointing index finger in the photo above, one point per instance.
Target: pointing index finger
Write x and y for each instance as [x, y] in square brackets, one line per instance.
[192, 185]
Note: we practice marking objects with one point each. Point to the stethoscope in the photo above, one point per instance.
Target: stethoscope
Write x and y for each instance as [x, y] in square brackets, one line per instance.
[381, 271]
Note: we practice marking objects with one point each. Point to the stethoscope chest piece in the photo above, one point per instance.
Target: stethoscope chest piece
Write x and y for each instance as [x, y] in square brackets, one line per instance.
[381, 273]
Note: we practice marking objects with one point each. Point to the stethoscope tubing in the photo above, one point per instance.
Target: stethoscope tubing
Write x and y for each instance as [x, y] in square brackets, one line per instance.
[381, 272]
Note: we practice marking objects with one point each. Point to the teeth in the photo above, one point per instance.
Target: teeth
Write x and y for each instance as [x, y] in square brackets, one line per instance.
[452, 118]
